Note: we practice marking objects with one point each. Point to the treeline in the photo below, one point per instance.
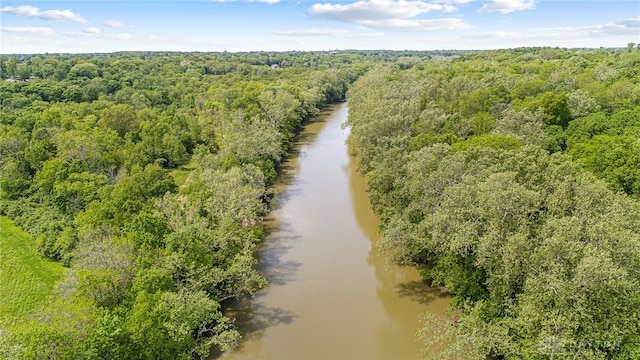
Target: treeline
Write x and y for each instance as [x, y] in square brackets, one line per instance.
[147, 176]
[49, 66]
[512, 179]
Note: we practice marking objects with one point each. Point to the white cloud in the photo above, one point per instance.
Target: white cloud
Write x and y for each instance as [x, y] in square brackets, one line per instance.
[452, 1]
[42, 31]
[54, 15]
[311, 32]
[124, 36]
[631, 22]
[397, 15]
[419, 24]
[501, 35]
[629, 26]
[507, 6]
[337, 33]
[372, 10]
[366, 35]
[92, 30]
[114, 23]
[96, 34]
[610, 35]
[449, 8]
[617, 29]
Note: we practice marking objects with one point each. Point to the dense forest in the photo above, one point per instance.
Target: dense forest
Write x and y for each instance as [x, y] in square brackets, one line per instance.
[512, 179]
[146, 175]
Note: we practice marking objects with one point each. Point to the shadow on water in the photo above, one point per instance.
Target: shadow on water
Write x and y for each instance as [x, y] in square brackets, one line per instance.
[282, 197]
[252, 318]
[280, 239]
[420, 292]
[272, 266]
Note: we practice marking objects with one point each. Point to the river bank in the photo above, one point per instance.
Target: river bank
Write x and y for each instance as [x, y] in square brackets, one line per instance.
[330, 294]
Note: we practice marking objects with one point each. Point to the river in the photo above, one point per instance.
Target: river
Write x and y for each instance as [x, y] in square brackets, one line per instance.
[330, 295]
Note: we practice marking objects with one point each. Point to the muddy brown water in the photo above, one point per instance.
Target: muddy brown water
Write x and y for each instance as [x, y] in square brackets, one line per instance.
[330, 295]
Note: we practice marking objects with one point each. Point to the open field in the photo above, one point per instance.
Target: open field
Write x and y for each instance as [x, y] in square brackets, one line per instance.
[26, 279]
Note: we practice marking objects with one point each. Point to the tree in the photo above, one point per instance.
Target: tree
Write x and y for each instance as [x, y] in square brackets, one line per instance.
[523, 125]
[249, 139]
[121, 118]
[15, 180]
[23, 72]
[236, 194]
[3, 67]
[76, 191]
[194, 312]
[86, 70]
[84, 149]
[580, 104]
[103, 269]
[556, 109]
[12, 67]
[163, 325]
[76, 145]
[159, 144]
[133, 192]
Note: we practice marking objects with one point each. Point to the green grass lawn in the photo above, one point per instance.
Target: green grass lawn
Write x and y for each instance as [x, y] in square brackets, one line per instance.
[26, 278]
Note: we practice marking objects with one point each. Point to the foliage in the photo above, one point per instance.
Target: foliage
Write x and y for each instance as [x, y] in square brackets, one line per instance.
[147, 175]
[509, 177]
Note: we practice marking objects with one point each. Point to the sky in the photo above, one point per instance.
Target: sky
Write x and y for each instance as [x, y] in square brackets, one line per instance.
[28, 27]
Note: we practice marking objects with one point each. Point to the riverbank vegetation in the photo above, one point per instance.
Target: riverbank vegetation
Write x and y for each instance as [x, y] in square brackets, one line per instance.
[511, 178]
[146, 176]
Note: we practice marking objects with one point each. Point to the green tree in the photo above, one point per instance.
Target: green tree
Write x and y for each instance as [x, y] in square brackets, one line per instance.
[580, 104]
[103, 269]
[236, 194]
[556, 109]
[121, 118]
[84, 70]
[524, 125]
[12, 67]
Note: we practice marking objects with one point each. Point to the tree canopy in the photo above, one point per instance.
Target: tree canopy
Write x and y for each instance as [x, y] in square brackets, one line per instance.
[510, 178]
[147, 175]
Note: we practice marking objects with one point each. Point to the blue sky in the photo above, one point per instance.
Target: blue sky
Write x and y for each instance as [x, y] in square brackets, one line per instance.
[281, 25]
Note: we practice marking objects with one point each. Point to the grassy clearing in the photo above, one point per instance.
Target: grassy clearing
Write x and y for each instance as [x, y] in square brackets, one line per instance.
[180, 176]
[26, 278]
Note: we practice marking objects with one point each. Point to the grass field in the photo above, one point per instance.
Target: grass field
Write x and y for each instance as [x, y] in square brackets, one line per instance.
[27, 279]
